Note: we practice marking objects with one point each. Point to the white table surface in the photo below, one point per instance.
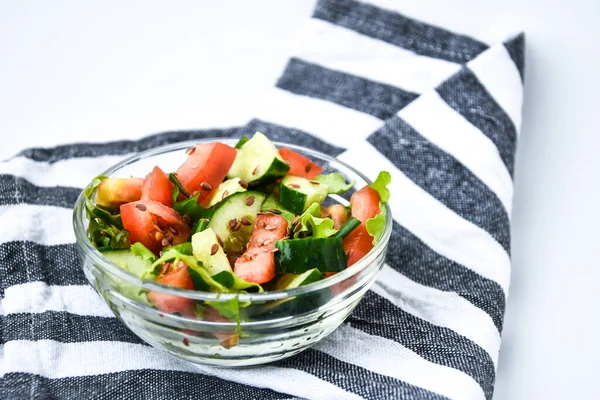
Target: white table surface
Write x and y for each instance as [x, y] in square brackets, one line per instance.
[97, 71]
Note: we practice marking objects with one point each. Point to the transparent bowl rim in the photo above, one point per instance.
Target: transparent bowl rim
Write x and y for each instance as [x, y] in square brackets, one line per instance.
[102, 262]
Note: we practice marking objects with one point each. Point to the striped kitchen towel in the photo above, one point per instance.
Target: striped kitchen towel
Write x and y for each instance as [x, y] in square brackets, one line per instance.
[441, 111]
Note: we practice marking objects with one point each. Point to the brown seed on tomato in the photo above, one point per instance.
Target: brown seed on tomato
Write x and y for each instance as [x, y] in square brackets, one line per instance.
[219, 240]
[243, 184]
[214, 249]
[294, 185]
[255, 170]
[232, 223]
[190, 150]
[245, 222]
[274, 211]
[308, 167]
[206, 186]
[250, 201]
[140, 207]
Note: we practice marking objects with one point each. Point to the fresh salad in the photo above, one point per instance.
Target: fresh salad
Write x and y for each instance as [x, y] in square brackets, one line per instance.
[249, 218]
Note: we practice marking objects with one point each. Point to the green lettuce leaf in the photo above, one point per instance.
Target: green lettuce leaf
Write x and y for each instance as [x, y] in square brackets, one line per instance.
[311, 223]
[233, 282]
[142, 251]
[380, 185]
[230, 309]
[336, 183]
[376, 225]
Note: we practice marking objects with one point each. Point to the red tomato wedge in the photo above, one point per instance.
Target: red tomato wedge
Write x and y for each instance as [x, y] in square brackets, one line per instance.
[153, 224]
[112, 192]
[300, 165]
[338, 213]
[227, 339]
[365, 205]
[257, 264]
[158, 187]
[176, 276]
[205, 168]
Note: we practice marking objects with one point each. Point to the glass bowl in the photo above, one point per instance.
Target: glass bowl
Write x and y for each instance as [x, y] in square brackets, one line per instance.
[274, 325]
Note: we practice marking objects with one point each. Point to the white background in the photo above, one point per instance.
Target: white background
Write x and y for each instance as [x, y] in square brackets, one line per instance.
[97, 71]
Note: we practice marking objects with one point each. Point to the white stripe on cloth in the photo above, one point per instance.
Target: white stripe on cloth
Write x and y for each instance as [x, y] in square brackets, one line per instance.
[498, 73]
[38, 297]
[452, 133]
[376, 354]
[331, 122]
[47, 225]
[445, 309]
[55, 360]
[73, 172]
[338, 48]
[440, 228]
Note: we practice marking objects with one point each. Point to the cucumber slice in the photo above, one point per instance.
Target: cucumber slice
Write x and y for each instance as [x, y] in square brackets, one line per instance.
[124, 258]
[258, 161]
[272, 202]
[297, 256]
[208, 251]
[295, 305]
[235, 207]
[227, 188]
[291, 281]
[297, 194]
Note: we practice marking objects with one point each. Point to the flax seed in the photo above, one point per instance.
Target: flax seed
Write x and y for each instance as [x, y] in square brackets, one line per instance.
[219, 240]
[191, 150]
[236, 227]
[140, 207]
[274, 211]
[214, 249]
[255, 170]
[206, 186]
[232, 223]
[315, 182]
[250, 201]
[308, 167]
[297, 228]
[294, 185]
[243, 184]
[225, 194]
[245, 222]
[186, 341]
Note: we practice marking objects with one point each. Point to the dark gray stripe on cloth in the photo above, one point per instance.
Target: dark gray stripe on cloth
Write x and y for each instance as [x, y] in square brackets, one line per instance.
[24, 262]
[131, 385]
[442, 176]
[377, 99]
[16, 190]
[396, 29]
[411, 257]
[65, 327]
[376, 315]
[353, 378]
[122, 147]
[516, 49]
[465, 94]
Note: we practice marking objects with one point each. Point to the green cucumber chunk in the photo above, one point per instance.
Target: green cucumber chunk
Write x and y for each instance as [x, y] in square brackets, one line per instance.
[258, 162]
[272, 203]
[297, 194]
[207, 250]
[297, 256]
[241, 142]
[226, 188]
[235, 207]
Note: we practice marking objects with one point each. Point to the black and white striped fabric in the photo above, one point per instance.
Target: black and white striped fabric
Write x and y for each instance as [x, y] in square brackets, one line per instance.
[439, 110]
